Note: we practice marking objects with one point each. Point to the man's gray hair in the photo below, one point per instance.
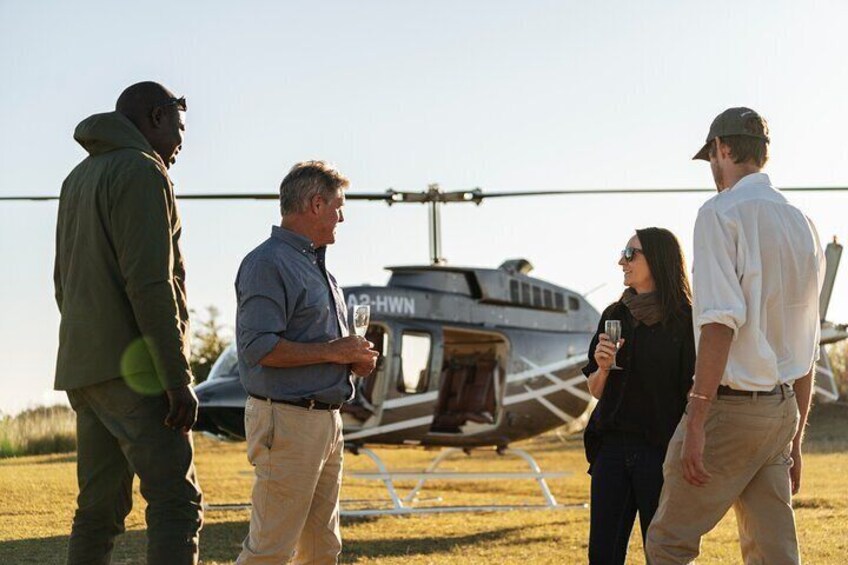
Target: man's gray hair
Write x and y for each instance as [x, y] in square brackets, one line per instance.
[306, 180]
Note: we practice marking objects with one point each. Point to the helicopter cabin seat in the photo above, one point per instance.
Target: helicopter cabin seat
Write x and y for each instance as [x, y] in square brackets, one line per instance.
[466, 393]
[480, 392]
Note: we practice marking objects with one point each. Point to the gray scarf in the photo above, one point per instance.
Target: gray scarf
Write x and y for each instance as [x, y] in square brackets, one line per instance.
[644, 307]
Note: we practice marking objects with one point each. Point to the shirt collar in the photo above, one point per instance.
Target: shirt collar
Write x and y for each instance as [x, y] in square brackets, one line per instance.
[299, 242]
[749, 180]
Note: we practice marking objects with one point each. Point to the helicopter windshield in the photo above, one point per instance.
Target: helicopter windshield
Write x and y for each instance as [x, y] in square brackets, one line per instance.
[226, 366]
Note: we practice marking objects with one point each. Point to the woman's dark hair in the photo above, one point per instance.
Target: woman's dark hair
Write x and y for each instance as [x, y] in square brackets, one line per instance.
[668, 268]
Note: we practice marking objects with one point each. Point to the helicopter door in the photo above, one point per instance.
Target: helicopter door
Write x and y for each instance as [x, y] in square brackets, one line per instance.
[472, 382]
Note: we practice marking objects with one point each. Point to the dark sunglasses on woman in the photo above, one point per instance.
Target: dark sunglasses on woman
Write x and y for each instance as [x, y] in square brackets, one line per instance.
[628, 253]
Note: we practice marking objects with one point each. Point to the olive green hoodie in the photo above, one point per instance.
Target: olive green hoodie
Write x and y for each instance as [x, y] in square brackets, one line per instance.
[119, 275]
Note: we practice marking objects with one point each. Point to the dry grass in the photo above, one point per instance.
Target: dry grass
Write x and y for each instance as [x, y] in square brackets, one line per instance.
[38, 431]
[38, 500]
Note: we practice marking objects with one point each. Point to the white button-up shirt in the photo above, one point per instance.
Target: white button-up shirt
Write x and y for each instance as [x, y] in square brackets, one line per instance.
[758, 268]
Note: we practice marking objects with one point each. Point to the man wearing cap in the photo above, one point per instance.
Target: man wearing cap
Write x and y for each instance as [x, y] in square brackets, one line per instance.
[758, 269]
[296, 361]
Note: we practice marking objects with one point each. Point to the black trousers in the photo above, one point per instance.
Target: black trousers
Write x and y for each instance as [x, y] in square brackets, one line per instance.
[120, 434]
[627, 478]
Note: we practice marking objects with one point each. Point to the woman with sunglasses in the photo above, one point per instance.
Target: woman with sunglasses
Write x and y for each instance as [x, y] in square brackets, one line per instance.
[640, 404]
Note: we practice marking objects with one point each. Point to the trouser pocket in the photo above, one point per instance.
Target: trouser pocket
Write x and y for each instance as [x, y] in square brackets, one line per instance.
[268, 437]
[259, 429]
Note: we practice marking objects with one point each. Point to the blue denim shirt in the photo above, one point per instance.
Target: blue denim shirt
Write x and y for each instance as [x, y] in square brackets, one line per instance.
[284, 291]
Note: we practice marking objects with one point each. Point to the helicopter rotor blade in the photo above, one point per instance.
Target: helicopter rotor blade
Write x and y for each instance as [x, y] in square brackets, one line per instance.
[475, 195]
[385, 196]
[625, 191]
[832, 253]
[275, 196]
[26, 198]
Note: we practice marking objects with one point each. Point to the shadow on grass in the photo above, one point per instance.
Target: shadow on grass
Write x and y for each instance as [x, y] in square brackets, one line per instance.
[425, 545]
[221, 542]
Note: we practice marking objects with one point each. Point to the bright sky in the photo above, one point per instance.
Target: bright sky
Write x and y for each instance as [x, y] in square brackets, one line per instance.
[502, 95]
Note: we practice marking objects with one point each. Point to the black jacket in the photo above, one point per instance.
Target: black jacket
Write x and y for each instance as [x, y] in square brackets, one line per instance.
[648, 396]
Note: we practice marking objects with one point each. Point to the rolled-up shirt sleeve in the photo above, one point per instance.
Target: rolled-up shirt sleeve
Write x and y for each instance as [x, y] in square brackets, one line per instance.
[262, 312]
[719, 298]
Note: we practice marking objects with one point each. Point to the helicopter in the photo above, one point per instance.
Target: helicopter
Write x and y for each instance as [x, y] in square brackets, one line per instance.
[469, 357]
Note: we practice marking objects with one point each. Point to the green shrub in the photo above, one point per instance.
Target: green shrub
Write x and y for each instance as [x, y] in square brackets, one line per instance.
[209, 339]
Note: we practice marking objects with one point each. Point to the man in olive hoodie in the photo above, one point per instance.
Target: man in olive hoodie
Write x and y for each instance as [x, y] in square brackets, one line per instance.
[123, 338]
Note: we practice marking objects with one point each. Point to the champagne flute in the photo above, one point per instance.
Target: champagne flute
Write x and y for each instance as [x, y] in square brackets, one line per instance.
[361, 315]
[613, 329]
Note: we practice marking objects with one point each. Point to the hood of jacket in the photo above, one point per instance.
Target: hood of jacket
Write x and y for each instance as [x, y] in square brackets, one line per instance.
[102, 133]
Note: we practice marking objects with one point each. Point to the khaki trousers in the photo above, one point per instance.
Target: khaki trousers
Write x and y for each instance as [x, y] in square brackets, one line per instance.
[297, 455]
[747, 452]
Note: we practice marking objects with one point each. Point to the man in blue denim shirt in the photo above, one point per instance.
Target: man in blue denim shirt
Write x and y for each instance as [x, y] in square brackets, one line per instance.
[297, 361]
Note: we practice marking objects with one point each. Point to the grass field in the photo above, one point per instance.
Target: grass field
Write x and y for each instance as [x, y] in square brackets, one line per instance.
[37, 501]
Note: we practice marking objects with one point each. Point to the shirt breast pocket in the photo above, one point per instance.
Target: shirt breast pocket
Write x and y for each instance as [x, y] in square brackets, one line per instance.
[311, 311]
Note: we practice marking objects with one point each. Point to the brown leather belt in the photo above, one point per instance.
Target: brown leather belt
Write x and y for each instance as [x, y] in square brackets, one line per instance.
[727, 391]
[307, 403]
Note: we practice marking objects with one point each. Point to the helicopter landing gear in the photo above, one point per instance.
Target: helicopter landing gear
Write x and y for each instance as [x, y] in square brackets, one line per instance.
[405, 505]
[401, 505]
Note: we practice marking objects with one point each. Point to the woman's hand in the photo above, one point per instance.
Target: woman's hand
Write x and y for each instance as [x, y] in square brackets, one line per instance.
[605, 352]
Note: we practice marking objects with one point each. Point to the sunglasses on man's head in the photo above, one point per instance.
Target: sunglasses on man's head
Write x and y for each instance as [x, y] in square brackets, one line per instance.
[180, 103]
[628, 253]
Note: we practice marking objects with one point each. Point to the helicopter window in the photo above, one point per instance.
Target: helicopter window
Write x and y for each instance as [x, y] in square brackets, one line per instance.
[573, 303]
[514, 292]
[526, 298]
[415, 356]
[560, 301]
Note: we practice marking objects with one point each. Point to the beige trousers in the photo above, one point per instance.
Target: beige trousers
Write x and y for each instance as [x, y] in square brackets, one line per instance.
[747, 452]
[297, 455]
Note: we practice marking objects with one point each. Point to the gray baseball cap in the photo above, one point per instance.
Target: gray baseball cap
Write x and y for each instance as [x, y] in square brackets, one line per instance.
[733, 121]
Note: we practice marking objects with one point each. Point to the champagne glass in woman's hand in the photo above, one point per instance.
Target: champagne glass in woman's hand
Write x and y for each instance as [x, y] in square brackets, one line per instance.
[613, 329]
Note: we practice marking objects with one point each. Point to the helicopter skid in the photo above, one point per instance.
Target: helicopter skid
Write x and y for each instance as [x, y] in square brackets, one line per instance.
[407, 511]
[404, 506]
